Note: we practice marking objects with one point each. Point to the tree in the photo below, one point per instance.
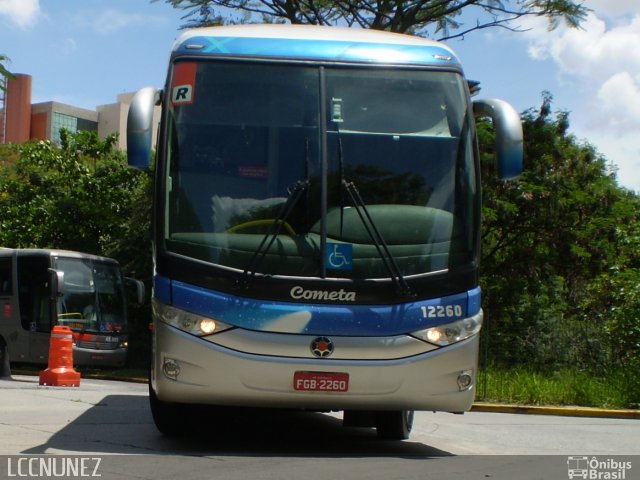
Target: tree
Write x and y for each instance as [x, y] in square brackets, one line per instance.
[78, 196]
[442, 17]
[4, 72]
[559, 249]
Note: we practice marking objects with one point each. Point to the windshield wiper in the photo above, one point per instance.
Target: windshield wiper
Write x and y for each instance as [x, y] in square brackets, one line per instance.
[294, 194]
[377, 239]
[370, 226]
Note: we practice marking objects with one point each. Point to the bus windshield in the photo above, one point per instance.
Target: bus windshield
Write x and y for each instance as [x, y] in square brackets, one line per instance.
[321, 158]
[94, 298]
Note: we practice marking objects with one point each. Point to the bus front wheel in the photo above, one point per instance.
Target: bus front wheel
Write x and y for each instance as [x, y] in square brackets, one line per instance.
[168, 417]
[5, 365]
[394, 425]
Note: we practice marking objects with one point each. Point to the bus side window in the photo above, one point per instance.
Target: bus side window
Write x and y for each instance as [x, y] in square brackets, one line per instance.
[6, 283]
[34, 293]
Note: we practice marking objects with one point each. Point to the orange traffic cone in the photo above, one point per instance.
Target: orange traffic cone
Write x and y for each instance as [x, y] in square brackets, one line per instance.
[60, 372]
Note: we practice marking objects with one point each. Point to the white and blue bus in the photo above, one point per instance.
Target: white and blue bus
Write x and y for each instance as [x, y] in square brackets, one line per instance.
[317, 223]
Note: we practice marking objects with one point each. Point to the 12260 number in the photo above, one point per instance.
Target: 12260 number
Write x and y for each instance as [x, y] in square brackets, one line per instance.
[441, 311]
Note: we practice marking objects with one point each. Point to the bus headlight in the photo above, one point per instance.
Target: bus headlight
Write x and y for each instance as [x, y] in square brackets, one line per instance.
[187, 321]
[453, 332]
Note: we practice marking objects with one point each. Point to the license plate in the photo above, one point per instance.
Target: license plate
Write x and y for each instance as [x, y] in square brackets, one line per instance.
[321, 381]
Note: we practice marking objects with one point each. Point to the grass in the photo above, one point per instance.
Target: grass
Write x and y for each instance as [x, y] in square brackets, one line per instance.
[521, 385]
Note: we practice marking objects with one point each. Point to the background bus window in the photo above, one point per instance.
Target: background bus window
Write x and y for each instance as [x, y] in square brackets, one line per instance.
[6, 280]
[34, 293]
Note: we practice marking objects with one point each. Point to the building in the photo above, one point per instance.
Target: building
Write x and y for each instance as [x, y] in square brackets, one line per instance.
[21, 121]
[49, 117]
[15, 118]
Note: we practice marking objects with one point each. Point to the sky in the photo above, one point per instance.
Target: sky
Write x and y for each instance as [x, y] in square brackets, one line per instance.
[86, 52]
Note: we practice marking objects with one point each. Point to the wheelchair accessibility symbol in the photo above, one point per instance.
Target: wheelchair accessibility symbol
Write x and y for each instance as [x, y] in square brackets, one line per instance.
[339, 256]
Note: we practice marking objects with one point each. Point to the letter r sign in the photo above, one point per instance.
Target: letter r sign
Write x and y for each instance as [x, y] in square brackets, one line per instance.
[182, 94]
[183, 82]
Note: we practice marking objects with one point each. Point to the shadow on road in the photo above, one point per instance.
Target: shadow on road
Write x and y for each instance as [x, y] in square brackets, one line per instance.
[122, 424]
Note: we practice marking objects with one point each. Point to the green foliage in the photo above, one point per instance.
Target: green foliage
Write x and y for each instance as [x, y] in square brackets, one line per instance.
[560, 265]
[565, 386]
[418, 17]
[613, 305]
[4, 72]
[78, 196]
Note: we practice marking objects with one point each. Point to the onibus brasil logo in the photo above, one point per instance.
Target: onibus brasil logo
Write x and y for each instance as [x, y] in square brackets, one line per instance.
[597, 469]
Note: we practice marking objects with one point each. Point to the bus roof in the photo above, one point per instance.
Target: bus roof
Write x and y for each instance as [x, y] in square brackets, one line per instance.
[48, 252]
[312, 42]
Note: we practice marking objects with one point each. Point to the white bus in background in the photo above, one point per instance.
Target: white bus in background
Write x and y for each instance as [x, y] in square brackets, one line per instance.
[40, 288]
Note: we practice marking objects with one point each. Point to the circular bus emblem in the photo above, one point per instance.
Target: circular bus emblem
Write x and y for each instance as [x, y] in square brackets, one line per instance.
[322, 347]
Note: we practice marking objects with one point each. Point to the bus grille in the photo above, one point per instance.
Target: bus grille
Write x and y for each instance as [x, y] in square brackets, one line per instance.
[97, 345]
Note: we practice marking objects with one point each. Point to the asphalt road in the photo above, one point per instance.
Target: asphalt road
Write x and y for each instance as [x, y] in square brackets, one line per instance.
[111, 422]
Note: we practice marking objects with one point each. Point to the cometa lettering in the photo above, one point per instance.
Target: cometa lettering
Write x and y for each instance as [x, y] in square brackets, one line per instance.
[341, 295]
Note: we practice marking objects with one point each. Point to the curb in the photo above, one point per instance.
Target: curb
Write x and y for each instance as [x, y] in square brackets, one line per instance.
[114, 378]
[92, 376]
[570, 411]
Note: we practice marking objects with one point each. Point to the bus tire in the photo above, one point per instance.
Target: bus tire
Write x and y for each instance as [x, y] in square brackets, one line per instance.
[5, 365]
[394, 425]
[168, 417]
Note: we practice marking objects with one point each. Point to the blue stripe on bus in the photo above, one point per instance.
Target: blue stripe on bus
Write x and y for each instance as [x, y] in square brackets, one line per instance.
[321, 50]
[475, 298]
[320, 319]
[162, 289]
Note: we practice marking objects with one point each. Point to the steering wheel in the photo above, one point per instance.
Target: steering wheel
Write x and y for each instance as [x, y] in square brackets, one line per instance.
[259, 223]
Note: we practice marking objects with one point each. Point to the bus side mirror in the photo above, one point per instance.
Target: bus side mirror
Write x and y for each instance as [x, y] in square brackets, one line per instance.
[140, 127]
[509, 142]
[56, 283]
[140, 290]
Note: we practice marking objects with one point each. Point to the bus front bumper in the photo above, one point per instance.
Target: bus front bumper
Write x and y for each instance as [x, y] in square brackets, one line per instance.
[258, 369]
[99, 358]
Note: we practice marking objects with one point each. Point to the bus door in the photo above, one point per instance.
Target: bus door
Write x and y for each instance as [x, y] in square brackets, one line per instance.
[35, 305]
[15, 338]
